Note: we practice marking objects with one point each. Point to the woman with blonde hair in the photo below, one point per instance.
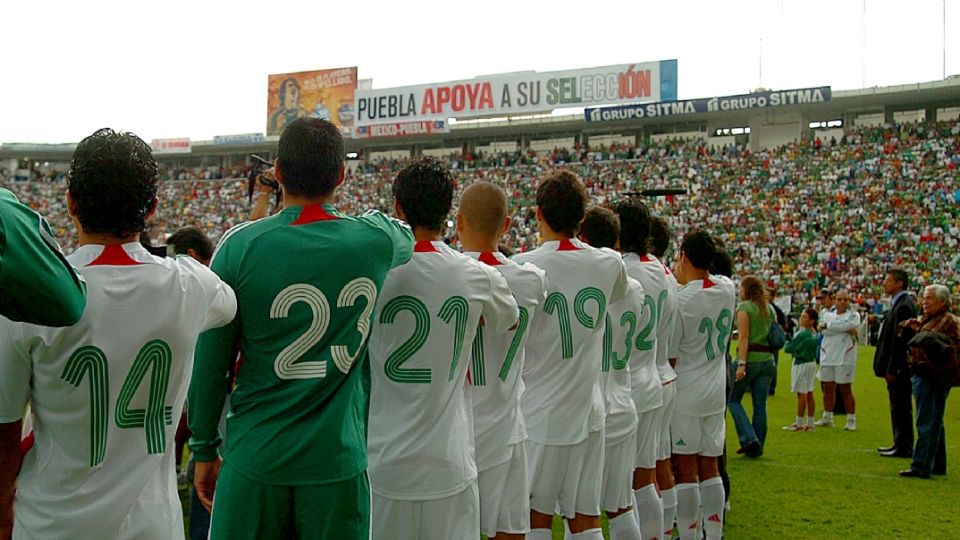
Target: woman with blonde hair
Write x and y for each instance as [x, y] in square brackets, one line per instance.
[754, 366]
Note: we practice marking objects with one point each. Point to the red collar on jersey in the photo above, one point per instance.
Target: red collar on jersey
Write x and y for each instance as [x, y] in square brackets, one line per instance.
[707, 283]
[567, 245]
[646, 258]
[113, 255]
[487, 257]
[425, 246]
[312, 213]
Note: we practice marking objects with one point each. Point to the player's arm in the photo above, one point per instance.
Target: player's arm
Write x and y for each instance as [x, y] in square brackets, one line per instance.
[674, 346]
[15, 374]
[621, 285]
[401, 237]
[842, 326]
[38, 284]
[221, 302]
[500, 311]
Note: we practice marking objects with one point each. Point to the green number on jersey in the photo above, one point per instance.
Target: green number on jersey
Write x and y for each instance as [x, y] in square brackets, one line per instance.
[456, 308]
[556, 302]
[628, 318]
[644, 344]
[478, 359]
[724, 326]
[607, 344]
[155, 357]
[421, 330]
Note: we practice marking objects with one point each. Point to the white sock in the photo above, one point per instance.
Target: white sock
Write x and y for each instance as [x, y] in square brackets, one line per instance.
[649, 510]
[688, 511]
[590, 534]
[827, 415]
[669, 498]
[810, 420]
[851, 417]
[624, 527]
[567, 535]
[798, 421]
[540, 534]
[711, 499]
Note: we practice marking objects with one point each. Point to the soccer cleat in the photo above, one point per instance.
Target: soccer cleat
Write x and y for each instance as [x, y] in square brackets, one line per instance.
[851, 426]
[793, 427]
[808, 427]
[824, 422]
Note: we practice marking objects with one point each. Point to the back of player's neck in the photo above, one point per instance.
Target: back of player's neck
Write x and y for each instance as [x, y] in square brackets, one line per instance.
[422, 234]
[293, 200]
[551, 236]
[103, 239]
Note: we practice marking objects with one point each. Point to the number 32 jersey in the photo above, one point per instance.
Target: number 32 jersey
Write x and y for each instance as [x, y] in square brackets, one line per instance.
[701, 336]
[421, 439]
[105, 395]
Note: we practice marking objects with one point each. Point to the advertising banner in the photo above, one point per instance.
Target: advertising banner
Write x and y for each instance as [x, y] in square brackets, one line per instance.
[239, 139]
[326, 94]
[758, 100]
[519, 93]
[170, 146]
[401, 129]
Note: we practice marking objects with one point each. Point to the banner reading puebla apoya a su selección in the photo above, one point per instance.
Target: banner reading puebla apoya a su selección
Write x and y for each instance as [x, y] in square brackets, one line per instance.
[519, 93]
[326, 94]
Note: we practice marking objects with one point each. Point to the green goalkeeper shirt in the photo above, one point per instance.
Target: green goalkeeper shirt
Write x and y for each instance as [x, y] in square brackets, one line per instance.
[306, 281]
[37, 284]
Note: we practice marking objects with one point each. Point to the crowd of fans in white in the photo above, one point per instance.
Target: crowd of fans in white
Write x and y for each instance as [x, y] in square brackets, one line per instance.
[804, 216]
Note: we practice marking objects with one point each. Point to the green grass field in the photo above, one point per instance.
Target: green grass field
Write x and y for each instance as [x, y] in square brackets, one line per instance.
[831, 483]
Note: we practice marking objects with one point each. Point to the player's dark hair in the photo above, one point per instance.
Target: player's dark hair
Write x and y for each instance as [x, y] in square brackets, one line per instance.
[659, 236]
[722, 264]
[113, 183]
[634, 225]
[812, 315]
[562, 201]
[310, 157]
[600, 227]
[900, 275]
[424, 191]
[699, 248]
[193, 238]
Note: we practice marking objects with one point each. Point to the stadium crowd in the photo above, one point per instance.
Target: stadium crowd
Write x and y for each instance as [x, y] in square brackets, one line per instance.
[803, 216]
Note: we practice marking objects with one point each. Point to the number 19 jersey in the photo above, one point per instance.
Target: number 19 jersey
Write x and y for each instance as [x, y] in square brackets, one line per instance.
[701, 336]
[563, 402]
[105, 395]
[421, 440]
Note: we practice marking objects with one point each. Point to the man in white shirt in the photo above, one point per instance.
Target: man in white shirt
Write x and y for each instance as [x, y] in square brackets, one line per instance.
[420, 442]
[104, 393]
[496, 363]
[563, 404]
[838, 359]
[601, 229]
[701, 337]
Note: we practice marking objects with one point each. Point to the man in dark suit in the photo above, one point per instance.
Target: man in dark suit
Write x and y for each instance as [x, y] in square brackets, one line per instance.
[890, 363]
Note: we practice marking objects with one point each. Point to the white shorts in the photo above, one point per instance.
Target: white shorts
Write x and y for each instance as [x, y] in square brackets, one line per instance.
[505, 495]
[617, 489]
[663, 420]
[698, 435]
[439, 519]
[842, 374]
[801, 377]
[648, 439]
[568, 475]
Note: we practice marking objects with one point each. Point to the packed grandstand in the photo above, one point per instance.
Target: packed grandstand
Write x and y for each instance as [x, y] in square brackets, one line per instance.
[805, 216]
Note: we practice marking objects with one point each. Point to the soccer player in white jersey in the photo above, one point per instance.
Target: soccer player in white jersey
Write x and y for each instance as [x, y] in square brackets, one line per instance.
[106, 391]
[420, 442]
[838, 359]
[705, 307]
[651, 375]
[563, 405]
[496, 362]
[600, 229]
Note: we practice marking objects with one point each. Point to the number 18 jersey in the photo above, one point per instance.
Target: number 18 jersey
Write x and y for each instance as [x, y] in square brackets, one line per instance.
[701, 336]
[105, 395]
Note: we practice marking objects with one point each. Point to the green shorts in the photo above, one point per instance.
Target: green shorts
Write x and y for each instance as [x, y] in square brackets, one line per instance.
[246, 509]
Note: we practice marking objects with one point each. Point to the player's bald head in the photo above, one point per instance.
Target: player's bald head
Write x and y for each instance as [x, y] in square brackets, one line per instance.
[484, 207]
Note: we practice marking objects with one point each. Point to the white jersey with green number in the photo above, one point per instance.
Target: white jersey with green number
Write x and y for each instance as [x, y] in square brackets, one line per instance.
[701, 336]
[106, 395]
[496, 362]
[420, 442]
[653, 325]
[563, 402]
[620, 355]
